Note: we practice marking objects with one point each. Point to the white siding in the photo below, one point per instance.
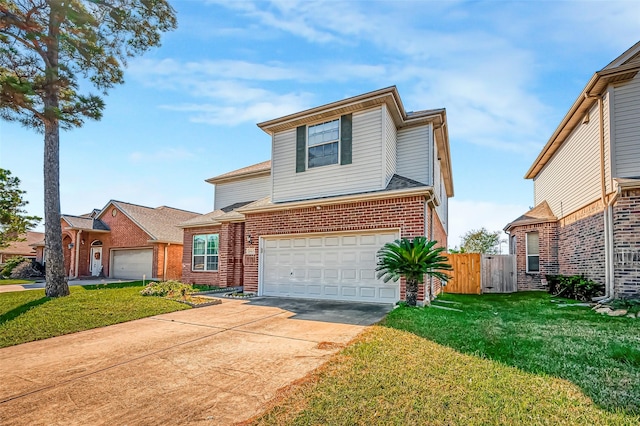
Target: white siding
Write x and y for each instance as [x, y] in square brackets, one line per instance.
[238, 191]
[626, 115]
[390, 141]
[364, 174]
[414, 152]
[571, 179]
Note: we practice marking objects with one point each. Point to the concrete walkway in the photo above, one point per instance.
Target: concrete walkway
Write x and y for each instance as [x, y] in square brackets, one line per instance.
[216, 365]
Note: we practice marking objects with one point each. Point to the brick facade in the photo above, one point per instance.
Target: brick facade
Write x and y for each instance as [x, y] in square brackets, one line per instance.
[123, 234]
[438, 233]
[581, 246]
[626, 228]
[197, 277]
[548, 252]
[406, 213]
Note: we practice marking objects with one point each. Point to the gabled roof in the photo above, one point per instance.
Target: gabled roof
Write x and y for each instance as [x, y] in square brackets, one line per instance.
[623, 68]
[84, 222]
[217, 217]
[388, 96]
[26, 247]
[160, 223]
[254, 170]
[539, 214]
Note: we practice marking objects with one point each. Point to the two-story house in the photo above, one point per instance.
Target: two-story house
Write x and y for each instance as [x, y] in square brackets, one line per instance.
[344, 179]
[586, 218]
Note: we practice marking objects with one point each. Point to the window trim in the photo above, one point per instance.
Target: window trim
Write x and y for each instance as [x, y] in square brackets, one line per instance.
[527, 255]
[205, 255]
[338, 141]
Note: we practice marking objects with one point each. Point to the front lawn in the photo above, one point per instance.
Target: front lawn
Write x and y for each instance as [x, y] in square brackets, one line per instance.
[29, 315]
[505, 359]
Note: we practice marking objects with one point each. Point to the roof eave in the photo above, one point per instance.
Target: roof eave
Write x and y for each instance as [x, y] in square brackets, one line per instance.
[215, 180]
[594, 88]
[380, 195]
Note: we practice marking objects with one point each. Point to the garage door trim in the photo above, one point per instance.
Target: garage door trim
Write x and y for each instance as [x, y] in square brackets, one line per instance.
[264, 238]
[112, 258]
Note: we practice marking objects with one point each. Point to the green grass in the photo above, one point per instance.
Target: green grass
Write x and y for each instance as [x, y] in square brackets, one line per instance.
[598, 353]
[29, 315]
[10, 281]
[506, 359]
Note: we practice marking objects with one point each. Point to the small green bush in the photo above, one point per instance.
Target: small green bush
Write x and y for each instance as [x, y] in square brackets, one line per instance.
[10, 264]
[576, 287]
[170, 288]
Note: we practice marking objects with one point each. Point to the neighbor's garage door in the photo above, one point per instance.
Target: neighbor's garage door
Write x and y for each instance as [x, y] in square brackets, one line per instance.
[327, 266]
[131, 263]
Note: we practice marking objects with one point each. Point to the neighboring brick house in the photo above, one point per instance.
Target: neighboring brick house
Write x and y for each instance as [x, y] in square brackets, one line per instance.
[123, 240]
[344, 179]
[22, 248]
[587, 189]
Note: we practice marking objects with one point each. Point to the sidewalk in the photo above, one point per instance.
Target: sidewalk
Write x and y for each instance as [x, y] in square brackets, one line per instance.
[41, 284]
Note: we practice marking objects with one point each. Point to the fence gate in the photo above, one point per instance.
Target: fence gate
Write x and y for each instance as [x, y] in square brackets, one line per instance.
[499, 273]
[465, 276]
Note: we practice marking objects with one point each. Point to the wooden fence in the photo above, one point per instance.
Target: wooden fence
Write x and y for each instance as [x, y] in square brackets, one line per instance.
[474, 273]
[465, 276]
[498, 273]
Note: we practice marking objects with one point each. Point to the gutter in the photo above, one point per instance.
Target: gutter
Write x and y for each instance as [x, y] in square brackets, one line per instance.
[340, 199]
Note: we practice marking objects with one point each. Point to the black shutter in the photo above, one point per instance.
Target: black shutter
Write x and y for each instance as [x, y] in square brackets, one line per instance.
[301, 149]
[345, 139]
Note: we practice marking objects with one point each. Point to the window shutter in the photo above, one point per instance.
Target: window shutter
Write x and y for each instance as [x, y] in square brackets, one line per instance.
[345, 139]
[301, 149]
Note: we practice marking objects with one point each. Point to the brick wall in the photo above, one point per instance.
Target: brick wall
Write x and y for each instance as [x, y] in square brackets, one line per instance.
[198, 277]
[626, 228]
[548, 249]
[406, 213]
[124, 234]
[581, 246]
[440, 235]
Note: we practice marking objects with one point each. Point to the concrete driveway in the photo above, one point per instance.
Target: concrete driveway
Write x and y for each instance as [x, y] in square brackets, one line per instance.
[216, 365]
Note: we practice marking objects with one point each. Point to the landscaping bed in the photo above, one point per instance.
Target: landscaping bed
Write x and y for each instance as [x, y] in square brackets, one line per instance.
[490, 359]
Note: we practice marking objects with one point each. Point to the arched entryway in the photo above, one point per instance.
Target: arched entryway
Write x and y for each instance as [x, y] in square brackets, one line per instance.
[95, 262]
[67, 247]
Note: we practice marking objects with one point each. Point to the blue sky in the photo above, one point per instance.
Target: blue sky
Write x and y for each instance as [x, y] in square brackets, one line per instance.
[506, 72]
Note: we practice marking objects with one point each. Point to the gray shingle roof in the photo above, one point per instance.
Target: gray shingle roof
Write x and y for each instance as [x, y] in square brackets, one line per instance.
[161, 223]
[83, 222]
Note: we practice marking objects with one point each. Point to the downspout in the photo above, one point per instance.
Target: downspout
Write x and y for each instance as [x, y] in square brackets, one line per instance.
[77, 253]
[430, 226]
[164, 266]
[607, 214]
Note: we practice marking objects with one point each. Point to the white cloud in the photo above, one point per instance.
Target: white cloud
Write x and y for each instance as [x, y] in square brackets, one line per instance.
[465, 215]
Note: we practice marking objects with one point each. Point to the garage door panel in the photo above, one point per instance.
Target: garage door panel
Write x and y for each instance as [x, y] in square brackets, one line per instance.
[132, 264]
[337, 267]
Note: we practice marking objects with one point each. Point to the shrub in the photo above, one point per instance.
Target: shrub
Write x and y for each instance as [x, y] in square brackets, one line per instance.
[576, 287]
[10, 264]
[24, 270]
[170, 288]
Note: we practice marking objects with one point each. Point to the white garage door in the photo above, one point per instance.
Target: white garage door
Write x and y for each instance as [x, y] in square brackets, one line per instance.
[327, 266]
[131, 263]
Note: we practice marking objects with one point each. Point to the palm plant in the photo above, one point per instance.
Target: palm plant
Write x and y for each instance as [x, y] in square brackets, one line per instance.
[412, 259]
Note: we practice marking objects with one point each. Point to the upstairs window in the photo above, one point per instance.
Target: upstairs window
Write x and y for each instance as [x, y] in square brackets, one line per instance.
[322, 141]
[533, 252]
[205, 252]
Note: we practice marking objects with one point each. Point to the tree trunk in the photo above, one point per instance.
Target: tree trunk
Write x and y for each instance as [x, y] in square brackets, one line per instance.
[411, 291]
[55, 274]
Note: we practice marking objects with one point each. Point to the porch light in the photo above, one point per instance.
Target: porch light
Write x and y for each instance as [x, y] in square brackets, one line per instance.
[70, 246]
[249, 240]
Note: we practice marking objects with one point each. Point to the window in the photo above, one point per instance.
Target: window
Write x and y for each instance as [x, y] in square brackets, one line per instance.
[533, 252]
[205, 252]
[322, 141]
